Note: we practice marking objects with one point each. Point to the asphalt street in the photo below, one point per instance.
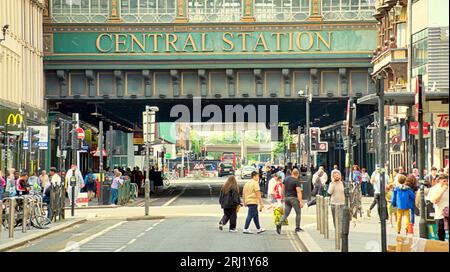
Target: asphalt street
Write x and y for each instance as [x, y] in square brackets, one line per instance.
[175, 233]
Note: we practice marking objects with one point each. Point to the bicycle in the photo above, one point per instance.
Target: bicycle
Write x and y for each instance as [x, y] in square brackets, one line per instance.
[166, 179]
[355, 200]
[37, 214]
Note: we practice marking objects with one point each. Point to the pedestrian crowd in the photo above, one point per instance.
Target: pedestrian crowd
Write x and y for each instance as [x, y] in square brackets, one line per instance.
[282, 187]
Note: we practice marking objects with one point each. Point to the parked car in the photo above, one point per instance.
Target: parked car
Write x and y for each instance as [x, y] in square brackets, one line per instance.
[226, 169]
[246, 172]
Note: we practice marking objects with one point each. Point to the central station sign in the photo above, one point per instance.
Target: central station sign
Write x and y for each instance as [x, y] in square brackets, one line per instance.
[205, 42]
[326, 42]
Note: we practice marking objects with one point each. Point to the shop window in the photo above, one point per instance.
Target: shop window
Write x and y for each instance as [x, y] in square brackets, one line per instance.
[163, 11]
[80, 11]
[281, 10]
[348, 9]
[214, 10]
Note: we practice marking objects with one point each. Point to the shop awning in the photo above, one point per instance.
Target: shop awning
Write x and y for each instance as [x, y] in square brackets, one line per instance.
[402, 98]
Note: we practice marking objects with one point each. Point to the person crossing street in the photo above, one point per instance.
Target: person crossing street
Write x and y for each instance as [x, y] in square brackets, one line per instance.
[252, 197]
[79, 182]
[293, 200]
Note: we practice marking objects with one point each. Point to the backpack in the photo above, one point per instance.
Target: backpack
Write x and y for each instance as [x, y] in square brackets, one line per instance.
[90, 179]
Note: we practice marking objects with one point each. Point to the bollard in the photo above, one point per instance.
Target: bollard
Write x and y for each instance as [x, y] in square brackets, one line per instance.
[25, 214]
[327, 207]
[317, 215]
[320, 200]
[337, 228]
[318, 203]
[324, 207]
[11, 223]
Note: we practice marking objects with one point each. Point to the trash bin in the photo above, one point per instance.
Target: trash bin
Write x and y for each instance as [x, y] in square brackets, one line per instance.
[106, 192]
[306, 187]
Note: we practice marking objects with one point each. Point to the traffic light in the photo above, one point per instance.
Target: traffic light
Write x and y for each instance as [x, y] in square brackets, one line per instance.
[33, 141]
[316, 144]
[3, 137]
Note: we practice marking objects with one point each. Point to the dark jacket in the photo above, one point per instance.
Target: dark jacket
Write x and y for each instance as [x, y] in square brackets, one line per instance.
[403, 198]
[229, 200]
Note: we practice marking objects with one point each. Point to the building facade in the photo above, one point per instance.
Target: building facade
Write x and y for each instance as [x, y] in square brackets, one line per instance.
[122, 53]
[21, 71]
[413, 40]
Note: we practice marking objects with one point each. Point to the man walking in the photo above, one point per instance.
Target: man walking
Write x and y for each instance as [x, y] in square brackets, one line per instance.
[438, 195]
[252, 196]
[79, 182]
[376, 183]
[293, 199]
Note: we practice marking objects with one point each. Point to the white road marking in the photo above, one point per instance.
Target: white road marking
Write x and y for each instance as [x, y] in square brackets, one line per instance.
[120, 249]
[293, 242]
[82, 242]
[132, 241]
[174, 198]
[140, 235]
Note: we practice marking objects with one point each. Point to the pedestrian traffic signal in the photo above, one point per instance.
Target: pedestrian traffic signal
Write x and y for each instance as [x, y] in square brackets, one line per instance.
[316, 144]
[3, 137]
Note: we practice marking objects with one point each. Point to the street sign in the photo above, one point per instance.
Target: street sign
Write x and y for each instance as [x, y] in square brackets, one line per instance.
[80, 133]
[323, 147]
[441, 138]
[42, 142]
[339, 146]
[414, 128]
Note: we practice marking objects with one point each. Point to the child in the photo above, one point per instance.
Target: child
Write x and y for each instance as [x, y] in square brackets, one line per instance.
[278, 196]
[278, 191]
[391, 209]
[403, 199]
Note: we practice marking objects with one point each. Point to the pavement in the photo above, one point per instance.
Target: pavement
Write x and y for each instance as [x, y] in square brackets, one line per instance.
[185, 218]
[364, 234]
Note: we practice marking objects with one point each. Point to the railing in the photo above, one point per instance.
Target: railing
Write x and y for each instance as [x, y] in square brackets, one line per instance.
[322, 219]
[28, 211]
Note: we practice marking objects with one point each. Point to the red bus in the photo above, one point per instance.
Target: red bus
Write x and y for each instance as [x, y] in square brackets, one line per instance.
[229, 157]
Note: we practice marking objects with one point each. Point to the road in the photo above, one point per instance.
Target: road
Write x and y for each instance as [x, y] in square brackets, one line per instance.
[192, 228]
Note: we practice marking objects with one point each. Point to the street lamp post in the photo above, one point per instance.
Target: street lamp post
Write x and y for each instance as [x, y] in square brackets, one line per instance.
[421, 161]
[74, 160]
[381, 161]
[100, 156]
[149, 122]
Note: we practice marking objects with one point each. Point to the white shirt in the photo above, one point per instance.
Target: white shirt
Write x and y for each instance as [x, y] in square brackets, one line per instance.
[56, 179]
[439, 206]
[272, 183]
[377, 182]
[78, 176]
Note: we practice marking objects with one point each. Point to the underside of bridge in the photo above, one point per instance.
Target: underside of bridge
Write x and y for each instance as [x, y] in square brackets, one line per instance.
[127, 114]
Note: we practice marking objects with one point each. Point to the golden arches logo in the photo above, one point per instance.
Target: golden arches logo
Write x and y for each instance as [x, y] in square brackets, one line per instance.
[14, 118]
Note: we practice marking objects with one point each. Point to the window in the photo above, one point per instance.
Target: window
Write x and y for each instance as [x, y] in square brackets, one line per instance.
[214, 10]
[281, 10]
[148, 10]
[348, 9]
[420, 52]
[80, 11]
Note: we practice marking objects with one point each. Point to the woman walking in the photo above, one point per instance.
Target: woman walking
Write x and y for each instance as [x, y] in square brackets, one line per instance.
[117, 181]
[230, 202]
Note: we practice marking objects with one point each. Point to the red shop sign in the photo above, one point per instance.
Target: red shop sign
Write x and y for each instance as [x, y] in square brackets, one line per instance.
[443, 120]
[414, 128]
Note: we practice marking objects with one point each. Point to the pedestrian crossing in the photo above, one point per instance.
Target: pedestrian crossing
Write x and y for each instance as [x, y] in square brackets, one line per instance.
[115, 238]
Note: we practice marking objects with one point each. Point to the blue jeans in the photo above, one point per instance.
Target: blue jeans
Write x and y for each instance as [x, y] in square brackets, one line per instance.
[252, 214]
[49, 207]
[1, 192]
[365, 188]
[114, 195]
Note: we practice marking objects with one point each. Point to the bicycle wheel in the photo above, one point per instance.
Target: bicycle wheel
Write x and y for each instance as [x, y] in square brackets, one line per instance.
[40, 222]
[167, 182]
